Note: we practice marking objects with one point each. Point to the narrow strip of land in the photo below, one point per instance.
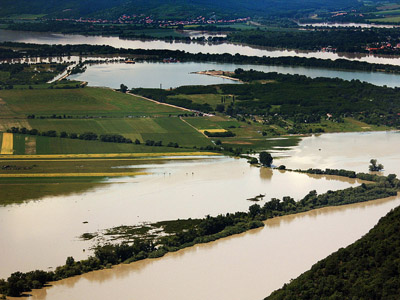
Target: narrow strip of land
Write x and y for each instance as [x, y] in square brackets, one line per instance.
[117, 174]
[106, 155]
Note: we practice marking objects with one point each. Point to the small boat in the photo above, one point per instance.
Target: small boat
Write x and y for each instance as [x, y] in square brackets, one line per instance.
[130, 61]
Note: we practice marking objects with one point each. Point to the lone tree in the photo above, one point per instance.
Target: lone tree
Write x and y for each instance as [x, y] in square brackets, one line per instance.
[265, 159]
[374, 167]
[123, 88]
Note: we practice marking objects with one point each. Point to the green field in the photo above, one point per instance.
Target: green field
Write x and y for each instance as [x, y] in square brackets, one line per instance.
[213, 122]
[212, 99]
[24, 17]
[78, 102]
[386, 20]
[388, 12]
[165, 129]
[47, 145]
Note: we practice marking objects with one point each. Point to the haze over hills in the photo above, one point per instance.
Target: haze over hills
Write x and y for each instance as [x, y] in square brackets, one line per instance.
[170, 8]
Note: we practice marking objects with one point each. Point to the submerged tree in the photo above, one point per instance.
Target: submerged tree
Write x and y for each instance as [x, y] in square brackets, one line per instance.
[123, 88]
[265, 159]
[374, 167]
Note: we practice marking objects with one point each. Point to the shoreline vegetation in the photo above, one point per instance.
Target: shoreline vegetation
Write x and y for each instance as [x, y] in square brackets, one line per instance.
[14, 50]
[180, 234]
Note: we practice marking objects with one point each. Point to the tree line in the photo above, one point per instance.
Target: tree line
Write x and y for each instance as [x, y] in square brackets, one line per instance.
[87, 136]
[35, 50]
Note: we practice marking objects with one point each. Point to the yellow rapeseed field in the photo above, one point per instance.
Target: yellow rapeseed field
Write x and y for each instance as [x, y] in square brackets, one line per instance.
[7, 146]
[117, 174]
[107, 155]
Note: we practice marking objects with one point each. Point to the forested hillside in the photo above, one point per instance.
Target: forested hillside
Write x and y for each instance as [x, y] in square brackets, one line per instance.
[169, 8]
[367, 269]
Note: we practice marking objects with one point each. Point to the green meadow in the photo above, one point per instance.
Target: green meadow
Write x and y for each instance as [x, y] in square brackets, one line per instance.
[79, 102]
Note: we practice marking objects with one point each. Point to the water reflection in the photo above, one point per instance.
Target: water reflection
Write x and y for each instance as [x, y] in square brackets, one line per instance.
[152, 74]
[53, 38]
[266, 173]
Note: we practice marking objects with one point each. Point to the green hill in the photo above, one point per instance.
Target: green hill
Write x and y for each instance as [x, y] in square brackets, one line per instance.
[367, 269]
[169, 8]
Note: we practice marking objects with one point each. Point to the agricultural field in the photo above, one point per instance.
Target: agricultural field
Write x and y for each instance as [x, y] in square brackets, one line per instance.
[41, 145]
[167, 130]
[389, 19]
[388, 14]
[78, 102]
[212, 99]
[216, 122]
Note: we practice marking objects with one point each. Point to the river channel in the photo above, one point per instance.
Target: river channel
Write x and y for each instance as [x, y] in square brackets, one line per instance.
[63, 39]
[172, 75]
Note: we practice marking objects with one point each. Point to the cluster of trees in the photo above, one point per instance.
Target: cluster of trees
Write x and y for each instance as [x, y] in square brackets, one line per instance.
[374, 166]
[351, 174]
[307, 100]
[367, 269]
[202, 231]
[265, 159]
[227, 133]
[88, 136]
[158, 144]
[34, 50]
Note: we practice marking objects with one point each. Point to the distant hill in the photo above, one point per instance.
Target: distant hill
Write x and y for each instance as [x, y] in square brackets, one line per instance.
[367, 269]
[168, 8]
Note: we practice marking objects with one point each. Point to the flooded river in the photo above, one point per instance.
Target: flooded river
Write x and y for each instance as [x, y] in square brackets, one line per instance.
[176, 189]
[249, 266]
[351, 151]
[152, 74]
[55, 38]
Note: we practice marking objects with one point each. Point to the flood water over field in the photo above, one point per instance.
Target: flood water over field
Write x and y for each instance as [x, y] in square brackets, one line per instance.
[351, 151]
[176, 189]
[172, 75]
[54, 38]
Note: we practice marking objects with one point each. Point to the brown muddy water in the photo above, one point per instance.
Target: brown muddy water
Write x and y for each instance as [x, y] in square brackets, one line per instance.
[247, 266]
[41, 234]
[351, 151]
